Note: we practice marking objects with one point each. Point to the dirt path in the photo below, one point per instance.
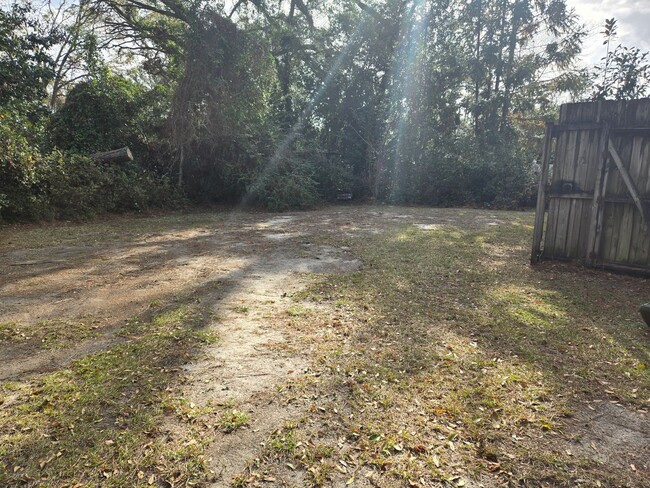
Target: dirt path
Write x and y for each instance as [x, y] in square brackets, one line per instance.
[69, 274]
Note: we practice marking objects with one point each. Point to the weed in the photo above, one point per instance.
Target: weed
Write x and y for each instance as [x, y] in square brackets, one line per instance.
[298, 311]
[284, 441]
[233, 420]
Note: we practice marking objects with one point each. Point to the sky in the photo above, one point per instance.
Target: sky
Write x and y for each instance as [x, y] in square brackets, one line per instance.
[633, 18]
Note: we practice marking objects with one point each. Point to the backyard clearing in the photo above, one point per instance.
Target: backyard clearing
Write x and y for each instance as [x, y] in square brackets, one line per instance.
[349, 346]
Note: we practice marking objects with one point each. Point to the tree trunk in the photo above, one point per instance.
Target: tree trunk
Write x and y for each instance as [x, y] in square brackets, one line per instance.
[477, 74]
[181, 163]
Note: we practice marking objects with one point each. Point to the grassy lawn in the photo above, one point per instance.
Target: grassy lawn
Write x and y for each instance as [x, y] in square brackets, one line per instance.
[446, 360]
[451, 361]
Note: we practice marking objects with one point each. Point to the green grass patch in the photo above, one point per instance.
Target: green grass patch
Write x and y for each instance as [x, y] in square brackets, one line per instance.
[98, 422]
[284, 441]
[299, 311]
[233, 420]
[49, 334]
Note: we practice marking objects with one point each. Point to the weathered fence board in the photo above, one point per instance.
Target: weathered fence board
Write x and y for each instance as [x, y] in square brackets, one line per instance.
[594, 205]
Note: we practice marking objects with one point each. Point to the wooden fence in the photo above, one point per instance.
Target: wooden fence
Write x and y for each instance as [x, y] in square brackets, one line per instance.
[593, 203]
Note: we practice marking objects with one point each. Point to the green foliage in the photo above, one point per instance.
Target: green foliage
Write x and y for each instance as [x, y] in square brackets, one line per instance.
[333, 175]
[625, 72]
[25, 63]
[20, 191]
[624, 76]
[35, 186]
[467, 170]
[429, 109]
[99, 115]
[403, 101]
[82, 188]
[284, 185]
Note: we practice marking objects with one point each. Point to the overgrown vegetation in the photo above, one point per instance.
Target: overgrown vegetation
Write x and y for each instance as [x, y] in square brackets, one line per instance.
[286, 104]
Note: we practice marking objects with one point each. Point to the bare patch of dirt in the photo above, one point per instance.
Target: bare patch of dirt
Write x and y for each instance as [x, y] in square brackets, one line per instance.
[612, 434]
[245, 268]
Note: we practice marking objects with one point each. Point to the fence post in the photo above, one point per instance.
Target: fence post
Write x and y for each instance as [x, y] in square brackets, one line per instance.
[540, 209]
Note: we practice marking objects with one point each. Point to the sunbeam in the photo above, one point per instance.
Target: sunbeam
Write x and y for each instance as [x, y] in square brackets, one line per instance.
[297, 128]
[404, 66]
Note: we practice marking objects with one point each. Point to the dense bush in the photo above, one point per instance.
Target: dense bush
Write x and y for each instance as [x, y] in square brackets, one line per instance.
[462, 170]
[284, 185]
[35, 186]
[78, 187]
[99, 115]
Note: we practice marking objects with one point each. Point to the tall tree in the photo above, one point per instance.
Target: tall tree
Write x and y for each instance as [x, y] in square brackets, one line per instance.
[26, 66]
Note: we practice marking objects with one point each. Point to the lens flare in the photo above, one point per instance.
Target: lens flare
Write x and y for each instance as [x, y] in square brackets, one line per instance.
[282, 149]
[412, 33]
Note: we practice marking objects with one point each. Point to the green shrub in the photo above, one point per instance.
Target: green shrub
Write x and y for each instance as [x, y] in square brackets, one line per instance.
[35, 186]
[98, 115]
[80, 188]
[287, 185]
[486, 171]
[21, 193]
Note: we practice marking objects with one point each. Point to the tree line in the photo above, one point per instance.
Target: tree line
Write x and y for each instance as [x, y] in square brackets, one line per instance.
[287, 103]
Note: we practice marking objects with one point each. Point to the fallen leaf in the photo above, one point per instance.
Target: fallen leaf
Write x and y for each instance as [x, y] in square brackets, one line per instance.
[420, 449]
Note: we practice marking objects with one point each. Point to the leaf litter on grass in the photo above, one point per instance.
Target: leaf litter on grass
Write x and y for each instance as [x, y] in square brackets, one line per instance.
[455, 363]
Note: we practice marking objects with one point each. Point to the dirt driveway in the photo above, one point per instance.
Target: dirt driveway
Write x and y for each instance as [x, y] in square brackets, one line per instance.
[104, 273]
[67, 291]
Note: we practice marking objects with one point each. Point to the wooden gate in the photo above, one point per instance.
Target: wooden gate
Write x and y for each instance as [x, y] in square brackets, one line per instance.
[593, 203]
